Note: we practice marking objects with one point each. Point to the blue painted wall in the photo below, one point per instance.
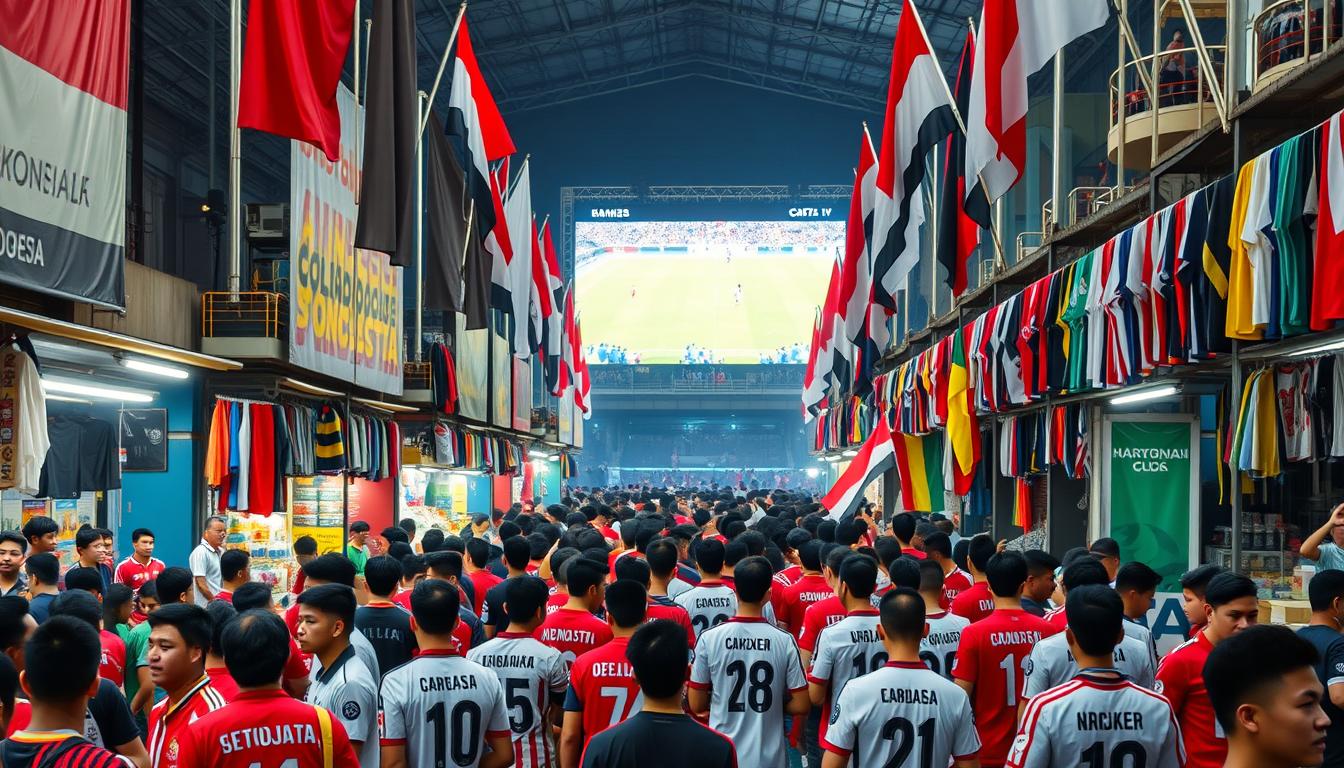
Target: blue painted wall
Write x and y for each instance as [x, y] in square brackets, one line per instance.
[164, 501]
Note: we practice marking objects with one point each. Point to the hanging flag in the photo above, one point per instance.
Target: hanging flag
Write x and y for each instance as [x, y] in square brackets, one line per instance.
[391, 124]
[963, 430]
[959, 219]
[511, 269]
[539, 302]
[876, 456]
[566, 368]
[1016, 38]
[292, 62]
[919, 463]
[814, 393]
[581, 382]
[447, 243]
[478, 135]
[868, 338]
[918, 116]
[830, 365]
[554, 325]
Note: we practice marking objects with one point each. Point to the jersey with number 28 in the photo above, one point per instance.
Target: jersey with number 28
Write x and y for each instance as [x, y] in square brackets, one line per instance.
[441, 707]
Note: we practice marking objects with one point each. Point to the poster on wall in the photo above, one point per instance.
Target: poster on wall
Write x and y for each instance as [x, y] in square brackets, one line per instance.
[344, 303]
[316, 506]
[144, 439]
[522, 395]
[472, 350]
[565, 418]
[63, 98]
[1150, 489]
[501, 381]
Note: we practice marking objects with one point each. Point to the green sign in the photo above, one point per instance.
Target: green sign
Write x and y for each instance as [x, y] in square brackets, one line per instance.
[1150, 473]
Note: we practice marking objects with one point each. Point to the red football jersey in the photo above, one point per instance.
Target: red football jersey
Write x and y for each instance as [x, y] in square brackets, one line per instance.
[573, 632]
[818, 617]
[974, 603]
[226, 595]
[672, 613]
[1056, 619]
[134, 574]
[403, 598]
[602, 686]
[222, 682]
[166, 722]
[915, 553]
[481, 582]
[788, 576]
[113, 665]
[1180, 677]
[556, 602]
[265, 728]
[991, 655]
[954, 584]
[794, 600]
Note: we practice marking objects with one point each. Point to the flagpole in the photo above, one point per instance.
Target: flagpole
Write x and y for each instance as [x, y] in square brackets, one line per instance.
[359, 121]
[235, 148]
[508, 186]
[423, 105]
[443, 64]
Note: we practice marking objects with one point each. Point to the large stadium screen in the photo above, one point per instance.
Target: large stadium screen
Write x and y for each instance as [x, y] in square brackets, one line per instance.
[704, 291]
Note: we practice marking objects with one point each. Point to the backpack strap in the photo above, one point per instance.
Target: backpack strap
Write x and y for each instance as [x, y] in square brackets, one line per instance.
[328, 747]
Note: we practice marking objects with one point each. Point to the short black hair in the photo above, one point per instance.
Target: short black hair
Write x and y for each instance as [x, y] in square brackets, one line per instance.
[1138, 577]
[432, 541]
[633, 569]
[80, 604]
[751, 579]
[1096, 617]
[333, 568]
[305, 545]
[86, 537]
[809, 554]
[709, 555]
[980, 550]
[256, 647]
[382, 574]
[582, 574]
[734, 552]
[478, 550]
[221, 613]
[15, 538]
[173, 584]
[960, 550]
[524, 597]
[12, 610]
[1226, 587]
[445, 564]
[627, 604]
[399, 549]
[517, 552]
[117, 597]
[412, 566]
[336, 600]
[39, 526]
[661, 555]
[61, 659]
[87, 579]
[902, 614]
[191, 621]
[139, 532]
[435, 604]
[359, 526]
[45, 566]
[931, 576]
[1325, 586]
[1197, 579]
[232, 562]
[658, 652]
[252, 595]
[834, 557]
[1040, 562]
[395, 533]
[9, 682]
[538, 545]
[1244, 666]
[1006, 573]
[1105, 547]
[848, 532]
[903, 526]
[407, 524]
[1083, 572]
[904, 572]
[938, 542]
[859, 573]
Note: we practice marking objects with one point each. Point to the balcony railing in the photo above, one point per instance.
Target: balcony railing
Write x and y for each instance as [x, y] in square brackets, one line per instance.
[246, 314]
[1290, 32]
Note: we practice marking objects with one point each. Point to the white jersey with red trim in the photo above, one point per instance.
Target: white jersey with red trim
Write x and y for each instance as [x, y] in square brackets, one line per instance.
[904, 715]
[847, 649]
[1051, 664]
[534, 677]
[938, 649]
[1098, 719]
[709, 605]
[441, 707]
[750, 667]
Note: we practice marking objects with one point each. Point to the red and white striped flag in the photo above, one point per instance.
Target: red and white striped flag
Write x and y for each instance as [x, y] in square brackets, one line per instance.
[875, 457]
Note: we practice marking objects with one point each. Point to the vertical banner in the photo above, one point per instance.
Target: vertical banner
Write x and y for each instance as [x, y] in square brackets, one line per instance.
[344, 303]
[472, 355]
[1152, 494]
[501, 381]
[522, 395]
[63, 93]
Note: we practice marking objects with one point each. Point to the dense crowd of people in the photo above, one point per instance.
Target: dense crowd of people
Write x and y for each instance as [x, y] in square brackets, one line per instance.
[630, 627]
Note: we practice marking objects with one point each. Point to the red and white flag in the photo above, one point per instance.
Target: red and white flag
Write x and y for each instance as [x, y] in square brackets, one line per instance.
[1017, 38]
[813, 392]
[875, 457]
[553, 328]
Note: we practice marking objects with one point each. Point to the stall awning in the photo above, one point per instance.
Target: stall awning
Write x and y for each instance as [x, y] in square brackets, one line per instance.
[84, 333]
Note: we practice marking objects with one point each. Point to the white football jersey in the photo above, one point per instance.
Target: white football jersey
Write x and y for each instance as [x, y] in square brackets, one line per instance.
[349, 691]
[1052, 664]
[904, 715]
[442, 707]
[847, 649]
[710, 606]
[751, 667]
[1139, 632]
[1097, 719]
[938, 649]
[533, 676]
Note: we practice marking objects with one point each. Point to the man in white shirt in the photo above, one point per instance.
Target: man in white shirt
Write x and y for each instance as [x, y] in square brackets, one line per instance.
[205, 560]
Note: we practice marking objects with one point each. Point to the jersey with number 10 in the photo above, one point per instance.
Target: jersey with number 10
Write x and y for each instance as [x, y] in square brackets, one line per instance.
[533, 675]
[602, 686]
[847, 649]
[751, 667]
[901, 716]
[440, 705]
[992, 655]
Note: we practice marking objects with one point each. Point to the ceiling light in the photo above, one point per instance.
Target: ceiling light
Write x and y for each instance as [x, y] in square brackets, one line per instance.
[1143, 395]
[813, 471]
[850, 453]
[831, 458]
[65, 399]
[534, 453]
[168, 371]
[1338, 344]
[99, 392]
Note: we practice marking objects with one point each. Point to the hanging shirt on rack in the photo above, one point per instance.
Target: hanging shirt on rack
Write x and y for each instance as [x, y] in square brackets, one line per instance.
[329, 448]
[23, 421]
[1327, 297]
[1241, 279]
[1291, 383]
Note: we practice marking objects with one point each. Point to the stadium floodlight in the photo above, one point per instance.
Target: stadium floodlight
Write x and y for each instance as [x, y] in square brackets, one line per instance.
[813, 472]
[1143, 395]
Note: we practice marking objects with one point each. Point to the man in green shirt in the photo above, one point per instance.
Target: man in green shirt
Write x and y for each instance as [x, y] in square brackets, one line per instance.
[359, 534]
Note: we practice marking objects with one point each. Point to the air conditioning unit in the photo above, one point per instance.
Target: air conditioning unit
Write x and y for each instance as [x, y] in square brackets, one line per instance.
[268, 221]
